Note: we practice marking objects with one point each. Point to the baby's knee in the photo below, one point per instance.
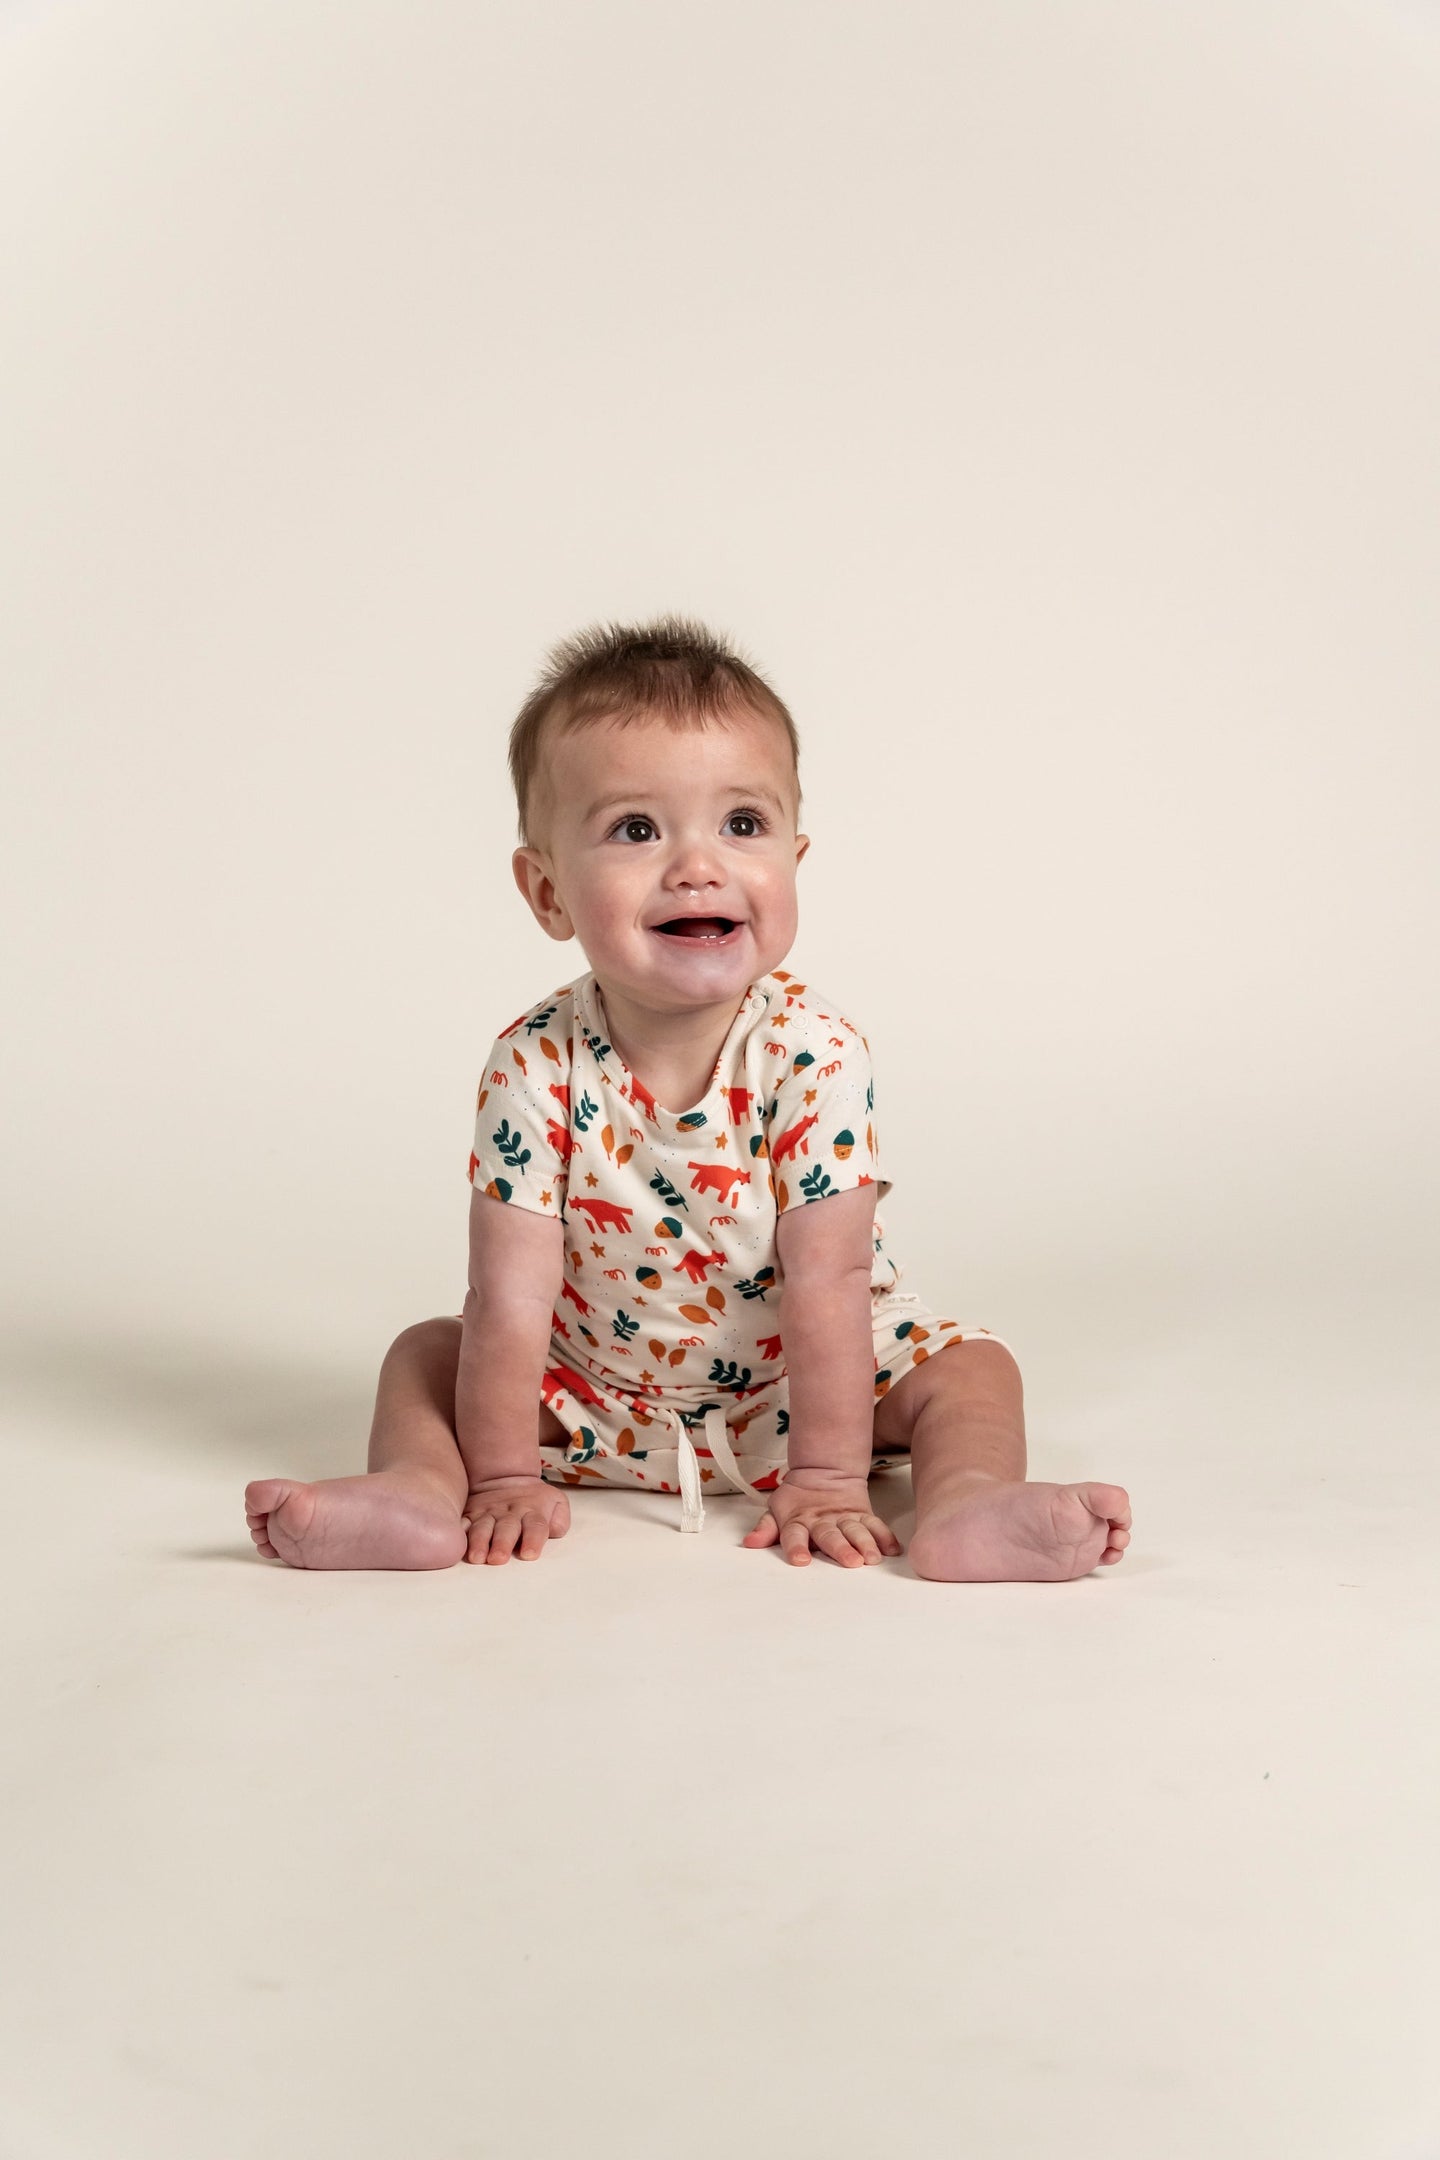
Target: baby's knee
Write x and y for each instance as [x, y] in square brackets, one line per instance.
[425, 1339]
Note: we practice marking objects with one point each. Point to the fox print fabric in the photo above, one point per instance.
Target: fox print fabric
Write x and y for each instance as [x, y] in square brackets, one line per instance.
[669, 1304]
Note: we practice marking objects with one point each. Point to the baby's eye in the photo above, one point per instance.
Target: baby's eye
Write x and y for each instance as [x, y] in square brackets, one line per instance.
[626, 826]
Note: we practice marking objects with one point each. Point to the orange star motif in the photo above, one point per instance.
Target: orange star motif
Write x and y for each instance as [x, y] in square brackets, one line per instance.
[599, 1251]
[810, 1094]
[722, 1140]
[545, 1199]
[590, 1178]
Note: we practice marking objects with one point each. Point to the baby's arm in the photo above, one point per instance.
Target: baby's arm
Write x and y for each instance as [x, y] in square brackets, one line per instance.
[516, 1266]
[826, 1250]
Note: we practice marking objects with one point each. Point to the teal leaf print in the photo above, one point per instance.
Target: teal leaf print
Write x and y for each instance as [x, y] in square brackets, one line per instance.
[541, 1019]
[661, 1184]
[870, 1096]
[585, 1110]
[511, 1146]
[757, 1285]
[782, 1422]
[817, 1184]
[728, 1376]
[623, 1327]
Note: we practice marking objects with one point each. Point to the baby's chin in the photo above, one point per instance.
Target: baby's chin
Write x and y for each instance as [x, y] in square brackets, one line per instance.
[680, 975]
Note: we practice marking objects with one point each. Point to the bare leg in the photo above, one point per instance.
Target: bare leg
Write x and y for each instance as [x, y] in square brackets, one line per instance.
[414, 1421]
[976, 1517]
[406, 1511]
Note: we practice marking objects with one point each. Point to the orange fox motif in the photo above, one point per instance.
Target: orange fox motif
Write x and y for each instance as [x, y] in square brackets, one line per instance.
[739, 1100]
[640, 1095]
[604, 1213]
[694, 1264]
[556, 1378]
[793, 1137]
[561, 1139]
[718, 1178]
[568, 1290]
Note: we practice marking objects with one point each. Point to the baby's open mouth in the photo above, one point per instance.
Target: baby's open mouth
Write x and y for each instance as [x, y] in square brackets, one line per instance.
[715, 928]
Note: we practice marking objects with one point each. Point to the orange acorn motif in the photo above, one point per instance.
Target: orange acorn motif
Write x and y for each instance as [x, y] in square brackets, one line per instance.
[843, 1144]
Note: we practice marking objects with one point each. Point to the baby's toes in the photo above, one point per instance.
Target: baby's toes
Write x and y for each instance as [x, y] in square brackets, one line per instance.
[1110, 1502]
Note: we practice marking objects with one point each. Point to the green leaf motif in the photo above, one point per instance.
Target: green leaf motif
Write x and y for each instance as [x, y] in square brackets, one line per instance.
[585, 1110]
[817, 1184]
[623, 1327]
[511, 1146]
[728, 1376]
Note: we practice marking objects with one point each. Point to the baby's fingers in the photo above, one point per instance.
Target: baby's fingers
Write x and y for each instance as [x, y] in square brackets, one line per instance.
[764, 1533]
[481, 1527]
[888, 1546]
[835, 1544]
[534, 1534]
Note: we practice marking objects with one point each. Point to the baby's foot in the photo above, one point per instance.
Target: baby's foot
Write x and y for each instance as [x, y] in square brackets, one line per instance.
[385, 1519]
[998, 1530]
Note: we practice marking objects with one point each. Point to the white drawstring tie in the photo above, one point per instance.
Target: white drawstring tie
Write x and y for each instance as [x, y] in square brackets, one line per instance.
[717, 1439]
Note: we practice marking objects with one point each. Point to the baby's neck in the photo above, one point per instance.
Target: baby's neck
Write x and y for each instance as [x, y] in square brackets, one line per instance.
[672, 1054]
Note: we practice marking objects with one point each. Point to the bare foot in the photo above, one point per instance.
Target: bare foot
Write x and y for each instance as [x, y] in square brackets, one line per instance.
[384, 1519]
[1004, 1530]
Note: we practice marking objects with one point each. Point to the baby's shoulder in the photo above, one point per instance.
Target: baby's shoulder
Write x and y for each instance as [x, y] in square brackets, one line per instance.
[811, 1022]
[548, 1016]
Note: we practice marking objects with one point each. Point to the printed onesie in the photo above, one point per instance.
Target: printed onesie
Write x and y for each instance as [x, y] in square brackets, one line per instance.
[666, 1365]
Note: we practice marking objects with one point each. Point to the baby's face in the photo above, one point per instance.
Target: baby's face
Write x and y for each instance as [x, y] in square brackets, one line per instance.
[646, 824]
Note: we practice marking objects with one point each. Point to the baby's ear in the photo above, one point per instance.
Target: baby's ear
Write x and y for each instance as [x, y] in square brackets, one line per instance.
[802, 842]
[532, 875]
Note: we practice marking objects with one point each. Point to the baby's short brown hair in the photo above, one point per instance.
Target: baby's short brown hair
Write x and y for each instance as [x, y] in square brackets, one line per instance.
[671, 668]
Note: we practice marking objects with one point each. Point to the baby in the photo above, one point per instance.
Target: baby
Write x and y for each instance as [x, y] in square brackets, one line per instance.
[677, 1274]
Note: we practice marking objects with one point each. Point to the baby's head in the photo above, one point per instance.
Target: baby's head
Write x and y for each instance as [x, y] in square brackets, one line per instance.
[657, 777]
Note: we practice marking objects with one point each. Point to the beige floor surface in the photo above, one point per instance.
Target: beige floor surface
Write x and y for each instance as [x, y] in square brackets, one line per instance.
[659, 1846]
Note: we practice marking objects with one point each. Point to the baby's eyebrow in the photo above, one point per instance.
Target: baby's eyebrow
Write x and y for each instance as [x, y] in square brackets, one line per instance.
[635, 796]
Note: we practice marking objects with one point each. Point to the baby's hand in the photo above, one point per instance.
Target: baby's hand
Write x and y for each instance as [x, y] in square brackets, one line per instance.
[832, 1513]
[509, 1511]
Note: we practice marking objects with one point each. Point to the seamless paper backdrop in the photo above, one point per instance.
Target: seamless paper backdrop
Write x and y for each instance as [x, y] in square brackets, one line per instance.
[1045, 398]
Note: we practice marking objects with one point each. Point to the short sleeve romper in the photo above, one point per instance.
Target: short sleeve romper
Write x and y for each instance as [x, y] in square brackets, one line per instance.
[666, 1365]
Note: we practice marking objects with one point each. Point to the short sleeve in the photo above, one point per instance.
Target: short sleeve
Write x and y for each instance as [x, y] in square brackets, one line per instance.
[822, 1128]
[521, 1148]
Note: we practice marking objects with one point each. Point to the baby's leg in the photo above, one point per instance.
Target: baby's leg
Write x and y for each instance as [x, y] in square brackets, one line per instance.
[976, 1517]
[406, 1511]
